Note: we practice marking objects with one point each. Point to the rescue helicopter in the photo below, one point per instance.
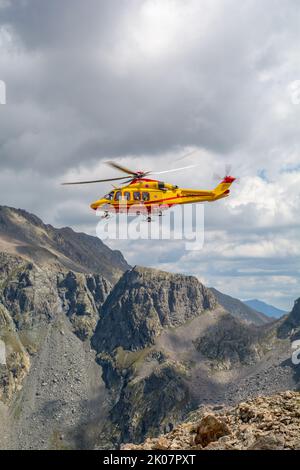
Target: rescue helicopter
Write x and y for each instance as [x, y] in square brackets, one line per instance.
[140, 194]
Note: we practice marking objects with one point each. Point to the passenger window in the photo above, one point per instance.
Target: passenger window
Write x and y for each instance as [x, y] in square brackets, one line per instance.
[126, 195]
[146, 196]
[118, 195]
[137, 196]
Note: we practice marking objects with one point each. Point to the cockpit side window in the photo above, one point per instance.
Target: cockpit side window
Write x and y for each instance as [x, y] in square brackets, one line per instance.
[109, 196]
[118, 195]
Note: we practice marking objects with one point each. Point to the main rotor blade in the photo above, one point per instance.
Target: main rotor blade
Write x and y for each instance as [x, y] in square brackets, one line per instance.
[186, 155]
[121, 168]
[95, 181]
[174, 169]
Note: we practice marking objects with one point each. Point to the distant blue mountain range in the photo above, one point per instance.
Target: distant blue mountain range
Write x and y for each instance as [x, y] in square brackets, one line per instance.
[265, 308]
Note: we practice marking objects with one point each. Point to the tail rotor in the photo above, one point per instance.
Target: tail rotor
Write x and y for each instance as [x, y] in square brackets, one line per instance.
[227, 176]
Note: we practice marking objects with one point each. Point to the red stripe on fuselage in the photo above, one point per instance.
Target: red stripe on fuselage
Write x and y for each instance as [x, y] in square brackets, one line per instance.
[145, 203]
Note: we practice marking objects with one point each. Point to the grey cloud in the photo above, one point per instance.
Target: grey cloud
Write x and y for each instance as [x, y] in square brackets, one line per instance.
[84, 84]
[208, 95]
[61, 24]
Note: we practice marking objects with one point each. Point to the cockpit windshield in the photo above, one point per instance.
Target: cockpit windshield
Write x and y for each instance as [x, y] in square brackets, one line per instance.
[109, 196]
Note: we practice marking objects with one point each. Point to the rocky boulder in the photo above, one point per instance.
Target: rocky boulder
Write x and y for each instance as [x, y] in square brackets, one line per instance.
[210, 429]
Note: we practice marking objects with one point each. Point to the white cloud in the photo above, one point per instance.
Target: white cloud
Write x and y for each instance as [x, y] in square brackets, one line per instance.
[275, 203]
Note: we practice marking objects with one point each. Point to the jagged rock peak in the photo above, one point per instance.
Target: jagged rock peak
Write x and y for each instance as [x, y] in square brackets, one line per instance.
[144, 302]
[155, 276]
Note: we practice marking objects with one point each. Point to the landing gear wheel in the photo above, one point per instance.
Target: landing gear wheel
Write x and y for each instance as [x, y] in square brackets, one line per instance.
[149, 219]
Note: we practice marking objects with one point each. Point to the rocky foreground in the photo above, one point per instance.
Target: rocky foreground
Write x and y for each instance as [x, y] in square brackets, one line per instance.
[264, 423]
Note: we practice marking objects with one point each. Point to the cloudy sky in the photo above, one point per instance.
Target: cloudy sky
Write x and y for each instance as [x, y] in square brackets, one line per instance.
[145, 82]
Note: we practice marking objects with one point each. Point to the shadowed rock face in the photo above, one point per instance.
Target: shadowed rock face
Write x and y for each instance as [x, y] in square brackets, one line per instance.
[154, 402]
[144, 302]
[230, 342]
[290, 326]
[16, 363]
[82, 297]
[34, 295]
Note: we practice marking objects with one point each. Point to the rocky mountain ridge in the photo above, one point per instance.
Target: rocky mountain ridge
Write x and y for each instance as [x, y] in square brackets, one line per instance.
[177, 350]
[96, 361]
[239, 309]
[25, 235]
[264, 308]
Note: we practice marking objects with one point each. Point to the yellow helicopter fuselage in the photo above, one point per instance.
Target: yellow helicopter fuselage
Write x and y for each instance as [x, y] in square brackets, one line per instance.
[147, 195]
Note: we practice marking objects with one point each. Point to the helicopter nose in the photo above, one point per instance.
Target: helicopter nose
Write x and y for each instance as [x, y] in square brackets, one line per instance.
[94, 205]
[99, 203]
